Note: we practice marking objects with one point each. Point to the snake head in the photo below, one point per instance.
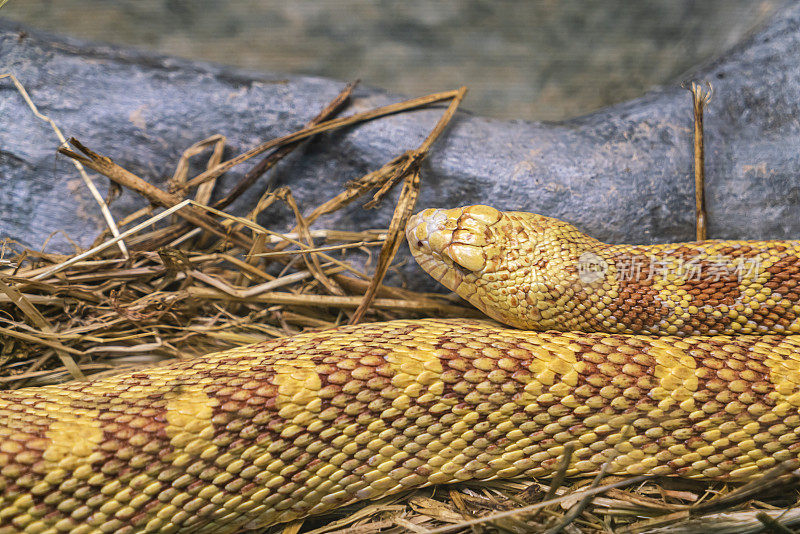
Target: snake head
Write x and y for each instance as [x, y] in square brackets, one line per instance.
[455, 246]
[449, 244]
[516, 267]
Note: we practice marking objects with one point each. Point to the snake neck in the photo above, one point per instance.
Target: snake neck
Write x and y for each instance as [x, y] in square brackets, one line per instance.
[545, 273]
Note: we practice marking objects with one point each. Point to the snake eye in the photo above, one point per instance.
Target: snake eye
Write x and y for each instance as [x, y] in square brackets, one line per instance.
[467, 256]
[485, 214]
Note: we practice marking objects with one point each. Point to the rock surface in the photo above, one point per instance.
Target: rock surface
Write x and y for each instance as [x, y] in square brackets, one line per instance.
[537, 59]
[622, 174]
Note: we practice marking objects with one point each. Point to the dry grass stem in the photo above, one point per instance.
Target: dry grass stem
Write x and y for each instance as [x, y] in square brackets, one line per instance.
[330, 111]
[409, 172]
[700, 99]
[326, 126]
[112, 226]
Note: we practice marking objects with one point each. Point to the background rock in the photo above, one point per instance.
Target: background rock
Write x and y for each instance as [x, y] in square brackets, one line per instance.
[622, 174]
[522, 59]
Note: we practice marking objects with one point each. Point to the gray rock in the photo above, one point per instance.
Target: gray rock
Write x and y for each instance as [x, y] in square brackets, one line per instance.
[623, 174]
[535, 59]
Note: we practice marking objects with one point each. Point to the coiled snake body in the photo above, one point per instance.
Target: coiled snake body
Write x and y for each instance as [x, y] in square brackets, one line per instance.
[282, 429]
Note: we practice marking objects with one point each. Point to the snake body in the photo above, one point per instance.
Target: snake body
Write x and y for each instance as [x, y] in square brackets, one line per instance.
[271, 432]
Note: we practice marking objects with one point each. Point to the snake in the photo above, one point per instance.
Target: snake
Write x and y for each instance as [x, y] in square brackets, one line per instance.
[669, 359]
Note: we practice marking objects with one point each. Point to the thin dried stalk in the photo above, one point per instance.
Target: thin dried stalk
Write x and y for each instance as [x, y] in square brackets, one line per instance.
[328, 248]
[561, 473]
[127, 179]
[39, 340]
[772, 524]
[334, 301]
[330, 111]
[99, 248]
[319, 128]
[112, 226]
[357, 188]
[700, 100]
[578, 508]
[409, 172]
[311, 260]
[405, 206]
[217, 142]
